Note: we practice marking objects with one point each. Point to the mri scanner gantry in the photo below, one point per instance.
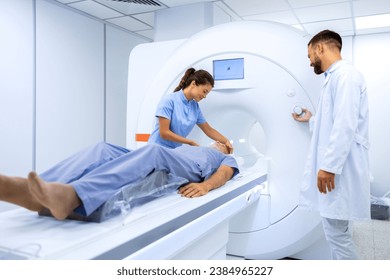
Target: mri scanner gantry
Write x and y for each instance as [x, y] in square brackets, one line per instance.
[254, 111]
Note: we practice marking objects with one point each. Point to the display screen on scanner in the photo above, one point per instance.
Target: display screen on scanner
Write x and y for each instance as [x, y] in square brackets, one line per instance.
[228, 69]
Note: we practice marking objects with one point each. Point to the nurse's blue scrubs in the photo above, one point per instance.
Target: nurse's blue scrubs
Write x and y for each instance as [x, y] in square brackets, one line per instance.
[183, 115]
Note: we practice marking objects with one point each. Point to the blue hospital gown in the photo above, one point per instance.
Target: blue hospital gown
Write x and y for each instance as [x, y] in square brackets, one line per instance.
[183, 115]
[98, 172]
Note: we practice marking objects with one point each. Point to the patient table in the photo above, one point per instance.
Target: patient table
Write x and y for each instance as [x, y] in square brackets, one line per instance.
[170, 227]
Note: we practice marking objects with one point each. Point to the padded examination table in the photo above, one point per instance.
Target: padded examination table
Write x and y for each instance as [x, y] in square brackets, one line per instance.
[168, 227]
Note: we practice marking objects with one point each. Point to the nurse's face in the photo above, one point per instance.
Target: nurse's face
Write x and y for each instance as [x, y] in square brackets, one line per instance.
[199, 92]
[315, 60]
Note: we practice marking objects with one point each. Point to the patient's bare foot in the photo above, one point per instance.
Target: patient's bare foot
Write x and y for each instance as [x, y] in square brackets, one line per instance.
[15, 190]
[59, 198]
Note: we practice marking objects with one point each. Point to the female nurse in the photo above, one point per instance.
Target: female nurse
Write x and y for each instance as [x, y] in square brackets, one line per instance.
[178, 112]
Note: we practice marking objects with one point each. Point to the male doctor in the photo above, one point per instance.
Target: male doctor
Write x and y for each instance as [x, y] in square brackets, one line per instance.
[336, 177]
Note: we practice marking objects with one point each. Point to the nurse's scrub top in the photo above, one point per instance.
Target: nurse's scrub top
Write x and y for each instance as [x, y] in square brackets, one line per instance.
[182, 113]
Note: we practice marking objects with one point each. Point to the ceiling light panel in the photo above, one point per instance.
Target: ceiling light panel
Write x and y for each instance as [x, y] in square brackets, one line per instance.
[368, 22]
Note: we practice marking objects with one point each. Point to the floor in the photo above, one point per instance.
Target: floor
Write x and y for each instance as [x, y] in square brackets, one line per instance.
[372, 239]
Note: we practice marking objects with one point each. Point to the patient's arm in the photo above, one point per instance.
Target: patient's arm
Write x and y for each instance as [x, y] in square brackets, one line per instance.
[223, 174]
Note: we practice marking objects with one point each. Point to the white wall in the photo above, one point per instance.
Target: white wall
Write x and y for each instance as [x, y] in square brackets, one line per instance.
[63, 83]
[70, 83]
[372, 57]
[118, 47]
[369, 53]
[16, 86]
[183, 21]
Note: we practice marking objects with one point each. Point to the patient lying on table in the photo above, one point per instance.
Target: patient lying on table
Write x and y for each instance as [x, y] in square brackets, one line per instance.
[86, 180]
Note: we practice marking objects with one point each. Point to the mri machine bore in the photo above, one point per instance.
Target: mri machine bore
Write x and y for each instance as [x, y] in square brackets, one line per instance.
[262, 74]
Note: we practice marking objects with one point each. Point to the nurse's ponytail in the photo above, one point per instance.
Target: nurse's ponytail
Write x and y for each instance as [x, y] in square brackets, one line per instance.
[201, 77]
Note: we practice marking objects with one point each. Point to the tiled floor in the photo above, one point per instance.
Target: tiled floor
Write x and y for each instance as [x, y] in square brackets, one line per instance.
[372, 239]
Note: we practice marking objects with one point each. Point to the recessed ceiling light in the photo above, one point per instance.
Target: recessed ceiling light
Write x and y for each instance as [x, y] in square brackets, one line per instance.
[376, 21]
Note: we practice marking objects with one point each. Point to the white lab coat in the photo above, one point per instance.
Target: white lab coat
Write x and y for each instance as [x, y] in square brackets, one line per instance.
[340, 145]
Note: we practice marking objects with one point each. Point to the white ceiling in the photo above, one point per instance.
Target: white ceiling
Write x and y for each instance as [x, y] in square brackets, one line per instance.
[307, 15]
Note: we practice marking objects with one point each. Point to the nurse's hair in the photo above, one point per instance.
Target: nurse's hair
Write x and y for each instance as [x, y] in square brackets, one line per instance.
[328, 37]
[201, 77]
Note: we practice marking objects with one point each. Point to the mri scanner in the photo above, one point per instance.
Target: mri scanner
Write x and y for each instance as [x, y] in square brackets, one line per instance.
[262, 74]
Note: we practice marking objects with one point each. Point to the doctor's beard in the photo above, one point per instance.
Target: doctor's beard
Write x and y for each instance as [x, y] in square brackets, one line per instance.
[317, 66]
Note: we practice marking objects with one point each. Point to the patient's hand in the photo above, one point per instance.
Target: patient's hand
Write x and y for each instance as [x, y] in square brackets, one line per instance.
[223, 174]
[194, 189]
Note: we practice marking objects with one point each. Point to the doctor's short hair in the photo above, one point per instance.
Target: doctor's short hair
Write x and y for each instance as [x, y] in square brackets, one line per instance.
[327, 37]
[201, 77]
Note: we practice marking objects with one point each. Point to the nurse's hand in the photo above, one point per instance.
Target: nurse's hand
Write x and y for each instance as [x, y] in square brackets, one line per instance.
[229, 147]
[194, 189]
[325, 181]
[304, 117]
[192, 143]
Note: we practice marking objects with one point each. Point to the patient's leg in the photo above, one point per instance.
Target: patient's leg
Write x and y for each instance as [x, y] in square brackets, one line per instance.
[15, 190]
[83, 162]
[59, 198]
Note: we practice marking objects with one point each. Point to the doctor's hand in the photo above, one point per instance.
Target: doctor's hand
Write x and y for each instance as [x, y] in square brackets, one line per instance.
[194, 189]
[325, 181]
[304, 117]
